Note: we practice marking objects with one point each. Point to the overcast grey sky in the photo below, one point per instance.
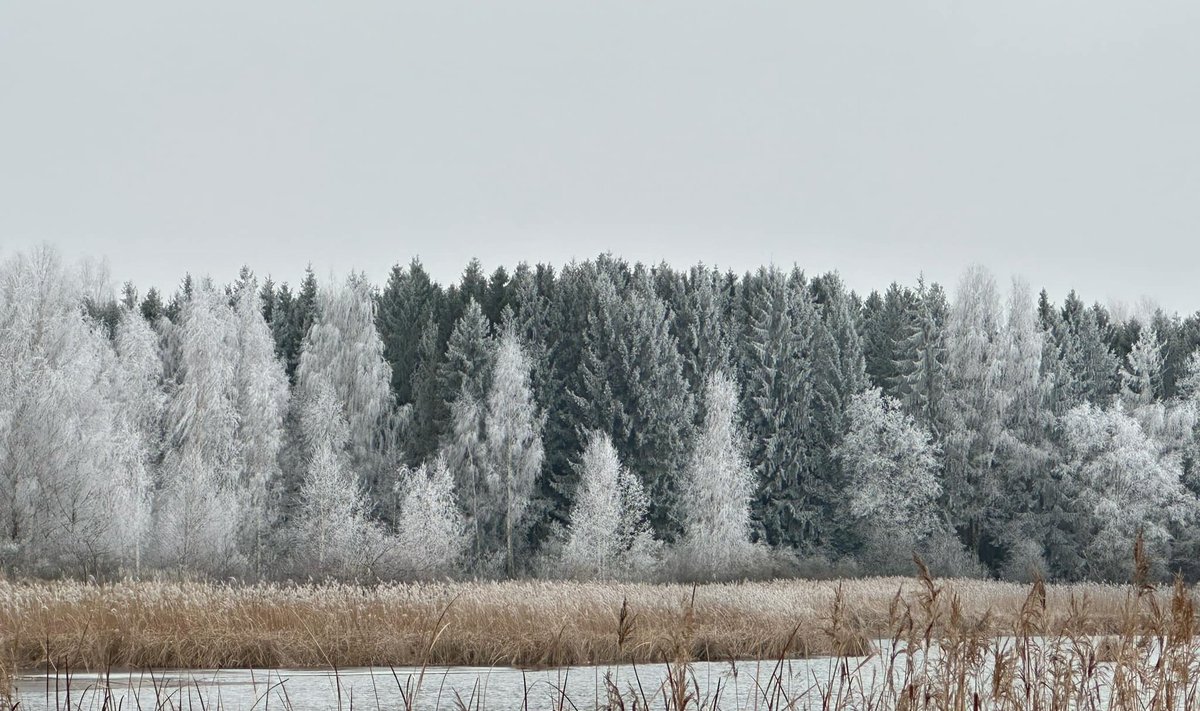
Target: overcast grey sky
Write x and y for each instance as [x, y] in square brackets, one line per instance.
[1055, 139]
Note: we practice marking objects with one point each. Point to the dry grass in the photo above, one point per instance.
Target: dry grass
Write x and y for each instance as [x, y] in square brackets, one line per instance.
[947, 645]
[145, 625]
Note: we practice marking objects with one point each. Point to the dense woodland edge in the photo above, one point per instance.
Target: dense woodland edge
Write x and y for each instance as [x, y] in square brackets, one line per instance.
[603, 420]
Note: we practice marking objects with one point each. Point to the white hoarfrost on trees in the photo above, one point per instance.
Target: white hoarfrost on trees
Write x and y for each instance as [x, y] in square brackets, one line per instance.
[227, 409]
[333, 534]
[1141, 377]
[974, 405]
[430, 531]
[1120, 487]
[716, 490]
[609, 535]
[462, 379]
[891, 468]
[73, 483]
[141, 373]
[262, 399]
[514, 441]
[343, 348]
[197, 516]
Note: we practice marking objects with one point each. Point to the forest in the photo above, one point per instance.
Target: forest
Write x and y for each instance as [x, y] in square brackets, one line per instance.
[600, 420]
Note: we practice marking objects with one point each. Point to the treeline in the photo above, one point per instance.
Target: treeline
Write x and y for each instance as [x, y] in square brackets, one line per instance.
[599, 420]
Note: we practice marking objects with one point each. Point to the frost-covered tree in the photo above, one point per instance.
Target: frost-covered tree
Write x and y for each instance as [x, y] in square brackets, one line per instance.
[343, 349]
[1119, 487]
[197, 516]
[73, 479]
[1087, 355]
[717, 487]
[514, 441]
[608, 535]
[1141, 377]
[891, 469]
[974, 405]
[839, 373]
[631, 384]
[1023, 453]
[430, 531]
[777, 398]
[922, 367]
[261, 385]
[141, 373]
[464, 376]
[1189, 381]
[202, 414]
[333, 535]
[228, 398]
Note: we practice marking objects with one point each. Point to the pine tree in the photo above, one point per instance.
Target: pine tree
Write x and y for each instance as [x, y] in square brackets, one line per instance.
[631, 385]
[429, 411]
[152, 306]
[466, 369]
[1088, 356]
[839, 373]
[1023, 452]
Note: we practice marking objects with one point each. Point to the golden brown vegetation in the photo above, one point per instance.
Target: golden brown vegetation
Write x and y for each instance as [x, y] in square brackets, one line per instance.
[201, 625]
[892, 643]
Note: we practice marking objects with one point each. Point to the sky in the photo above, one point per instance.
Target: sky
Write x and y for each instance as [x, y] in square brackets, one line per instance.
[1054, 139]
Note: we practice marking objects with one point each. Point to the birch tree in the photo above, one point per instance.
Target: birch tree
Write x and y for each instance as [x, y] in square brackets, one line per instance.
[717, 487]
[608, 535]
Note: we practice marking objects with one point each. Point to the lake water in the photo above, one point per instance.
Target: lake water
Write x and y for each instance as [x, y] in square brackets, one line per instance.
[740, 686]
[796, 684]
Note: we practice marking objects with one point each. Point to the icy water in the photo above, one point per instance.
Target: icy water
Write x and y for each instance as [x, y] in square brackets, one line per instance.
[794, 684]
[740, 686]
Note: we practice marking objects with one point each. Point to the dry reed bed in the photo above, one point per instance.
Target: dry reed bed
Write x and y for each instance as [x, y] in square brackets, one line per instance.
[204, 625]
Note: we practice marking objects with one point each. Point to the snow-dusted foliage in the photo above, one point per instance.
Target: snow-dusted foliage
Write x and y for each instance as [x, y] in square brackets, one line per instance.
[332, 534]
[141, 374]
[262, 399]
[256, 431]
[1141, 376]
[1118, 485]
[608, 535]
[197, 516]
[974, 404]
[343, 348]
[73, 482]
[717, 486]
[891, 469]
[226, 411]
[514, 441]
[431, 534]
